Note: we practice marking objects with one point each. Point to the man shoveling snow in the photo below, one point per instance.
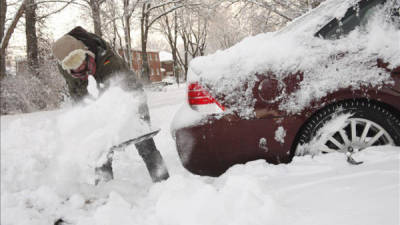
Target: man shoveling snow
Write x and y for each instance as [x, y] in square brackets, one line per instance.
[87, 63]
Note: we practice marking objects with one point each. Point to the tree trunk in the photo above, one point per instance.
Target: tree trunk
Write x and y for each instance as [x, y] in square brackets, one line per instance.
[127, 30]
[128, 48]
[186, 56]
[171, 31]
[95, 7]
[145, 62]
[3, 13]
[175, 48]
[186, 67]
[175, 65]
[7, 36]
[112, 10]
[31, 37]
[2, 63]
[147, 9]
[144, 29]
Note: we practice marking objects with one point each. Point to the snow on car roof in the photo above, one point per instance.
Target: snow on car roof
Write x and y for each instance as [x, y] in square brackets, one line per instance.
[295, 48]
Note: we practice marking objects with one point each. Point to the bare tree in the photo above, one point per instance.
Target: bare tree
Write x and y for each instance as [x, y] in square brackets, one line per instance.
[31, 21]
[5, 37]
[113, 13]
[150, 13]
[237, 19]
[169, 28]
[129, 9]
[193, 30]
[3, 13]
[197, 33]
[122, 14]
[111, 16]
[230, 24]
[286, 9]
[184, 60]
[95, 10]
[31, 37]
[283, 8]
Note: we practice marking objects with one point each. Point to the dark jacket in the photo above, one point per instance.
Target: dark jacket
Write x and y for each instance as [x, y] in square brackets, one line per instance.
[108, 64]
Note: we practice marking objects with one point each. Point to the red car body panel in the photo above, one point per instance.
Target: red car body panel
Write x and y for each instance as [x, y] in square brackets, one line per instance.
[214, 146]
[221, 147]
[211, 147]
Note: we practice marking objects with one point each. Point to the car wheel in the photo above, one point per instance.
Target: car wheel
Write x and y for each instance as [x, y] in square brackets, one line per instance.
[369, 124]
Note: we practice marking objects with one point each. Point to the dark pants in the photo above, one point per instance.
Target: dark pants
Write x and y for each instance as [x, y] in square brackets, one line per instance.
[147, 150]
[153, 160]
[151, 157]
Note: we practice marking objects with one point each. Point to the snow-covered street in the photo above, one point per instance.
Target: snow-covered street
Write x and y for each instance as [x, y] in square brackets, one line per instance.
[42, 181]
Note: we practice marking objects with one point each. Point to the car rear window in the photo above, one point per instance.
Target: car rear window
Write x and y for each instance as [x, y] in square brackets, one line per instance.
[354, 17]
[395, 15]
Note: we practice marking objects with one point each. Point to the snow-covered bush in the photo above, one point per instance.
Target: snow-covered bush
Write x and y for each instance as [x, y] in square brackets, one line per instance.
[23, 92]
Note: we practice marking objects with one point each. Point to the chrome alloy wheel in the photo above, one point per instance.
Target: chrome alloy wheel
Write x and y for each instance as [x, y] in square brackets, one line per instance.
[356, 135]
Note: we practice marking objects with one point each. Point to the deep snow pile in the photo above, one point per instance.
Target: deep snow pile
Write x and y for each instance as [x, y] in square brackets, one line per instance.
[327, 64]
[38, 186]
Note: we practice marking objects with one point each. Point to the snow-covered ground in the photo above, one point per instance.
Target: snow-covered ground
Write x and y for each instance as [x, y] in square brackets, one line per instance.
[42, 181]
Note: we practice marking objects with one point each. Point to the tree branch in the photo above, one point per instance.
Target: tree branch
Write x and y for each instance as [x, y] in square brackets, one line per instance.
[164, 4]
[163, 14]
[268, 6]
[10, 30]
[54, 12]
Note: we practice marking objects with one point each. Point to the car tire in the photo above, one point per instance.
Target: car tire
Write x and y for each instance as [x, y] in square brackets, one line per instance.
[371, 123]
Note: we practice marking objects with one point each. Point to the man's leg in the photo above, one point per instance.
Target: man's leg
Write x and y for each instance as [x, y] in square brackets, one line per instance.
[104, 173]
[153, 160]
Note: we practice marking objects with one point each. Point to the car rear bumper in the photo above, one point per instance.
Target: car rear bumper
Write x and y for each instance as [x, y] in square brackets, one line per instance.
[212, 147]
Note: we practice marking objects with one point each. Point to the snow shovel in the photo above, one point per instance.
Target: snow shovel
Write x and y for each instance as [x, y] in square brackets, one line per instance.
[151, 156]
[135, 140]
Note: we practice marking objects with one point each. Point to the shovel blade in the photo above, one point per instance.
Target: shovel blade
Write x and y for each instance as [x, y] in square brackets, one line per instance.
[135, 140]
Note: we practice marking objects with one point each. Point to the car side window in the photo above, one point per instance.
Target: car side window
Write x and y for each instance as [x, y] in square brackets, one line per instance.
[395, 16]
[354, 17]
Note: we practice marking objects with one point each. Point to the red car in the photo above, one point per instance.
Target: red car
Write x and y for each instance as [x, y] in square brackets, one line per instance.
[271, 96]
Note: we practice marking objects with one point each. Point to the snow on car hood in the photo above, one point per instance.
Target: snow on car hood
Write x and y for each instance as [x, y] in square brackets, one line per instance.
[295, 48]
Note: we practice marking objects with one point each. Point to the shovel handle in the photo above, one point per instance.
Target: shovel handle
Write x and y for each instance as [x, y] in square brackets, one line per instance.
[135, 140]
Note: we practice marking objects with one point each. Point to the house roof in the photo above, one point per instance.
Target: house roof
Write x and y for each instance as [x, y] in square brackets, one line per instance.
[165, 56]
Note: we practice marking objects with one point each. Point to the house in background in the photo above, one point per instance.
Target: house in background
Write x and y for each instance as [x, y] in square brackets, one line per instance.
[16, 59]
[167, 64]
[154, 64]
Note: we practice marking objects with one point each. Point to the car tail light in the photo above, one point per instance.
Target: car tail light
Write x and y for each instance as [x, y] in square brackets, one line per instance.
[202, 101]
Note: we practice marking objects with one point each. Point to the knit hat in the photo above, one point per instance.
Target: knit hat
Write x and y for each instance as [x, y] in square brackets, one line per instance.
[70, 52]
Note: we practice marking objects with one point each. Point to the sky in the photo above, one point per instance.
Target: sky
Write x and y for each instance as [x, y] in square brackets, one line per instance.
[64, 21]
[57, 25]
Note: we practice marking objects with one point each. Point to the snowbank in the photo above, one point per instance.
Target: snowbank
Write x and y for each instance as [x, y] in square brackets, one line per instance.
[325, 189]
